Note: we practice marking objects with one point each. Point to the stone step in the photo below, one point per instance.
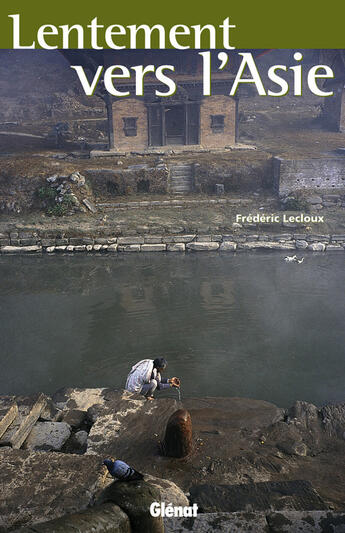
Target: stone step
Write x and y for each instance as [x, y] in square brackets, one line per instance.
[180, 173]
[181, 166]
[176, 181]
[29, 410]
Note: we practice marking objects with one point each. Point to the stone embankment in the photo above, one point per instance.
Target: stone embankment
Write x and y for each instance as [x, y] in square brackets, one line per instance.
[33, 242]
[253, 466]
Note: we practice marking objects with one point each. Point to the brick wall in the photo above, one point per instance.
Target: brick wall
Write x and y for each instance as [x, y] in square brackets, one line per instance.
[318, 173]
[130, 107]
[217, 105]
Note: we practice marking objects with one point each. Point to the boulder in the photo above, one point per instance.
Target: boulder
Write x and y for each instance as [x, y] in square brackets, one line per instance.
[74, 417]
[333, 420]
[48, 436]
[135, 498]
[77, 443]
[169, 491]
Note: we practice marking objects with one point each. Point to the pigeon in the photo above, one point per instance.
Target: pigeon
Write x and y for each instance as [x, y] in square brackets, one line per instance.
[122, 471]
[290, 258]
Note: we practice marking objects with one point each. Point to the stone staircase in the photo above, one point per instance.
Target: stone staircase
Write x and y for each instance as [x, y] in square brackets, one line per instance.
[181, 179]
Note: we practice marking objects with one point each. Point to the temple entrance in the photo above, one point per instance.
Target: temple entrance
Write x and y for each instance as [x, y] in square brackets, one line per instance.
[173, 124]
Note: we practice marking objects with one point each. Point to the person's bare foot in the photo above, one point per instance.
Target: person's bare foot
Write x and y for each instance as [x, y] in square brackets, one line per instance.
[149, 398]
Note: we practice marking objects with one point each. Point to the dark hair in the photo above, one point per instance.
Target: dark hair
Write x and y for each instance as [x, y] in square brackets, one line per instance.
[160, 362]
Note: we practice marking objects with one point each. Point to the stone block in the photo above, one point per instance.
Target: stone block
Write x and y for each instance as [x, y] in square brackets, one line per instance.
[74, 417]
[20, 249]
[37, 486]
[61, 242]
[48, 242]
[306, 521]
[267, 245]
[104, 519]
[183, 238]
[80, 248]
[48, 436]
[272, 495]
[153, 247]
[129, 248]
[28, 241]
[228, 246]
[176, 247]
[334, 248]
[97, 247]
[317, 247]
[202, 246]
[203, 238]
[314, 200]
[301, 244]
[153, 239]
[130, 240]
[218, 522]
[76, 241]
[112, 248]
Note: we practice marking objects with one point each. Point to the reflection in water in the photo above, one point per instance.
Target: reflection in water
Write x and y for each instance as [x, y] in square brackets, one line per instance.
[229, 325]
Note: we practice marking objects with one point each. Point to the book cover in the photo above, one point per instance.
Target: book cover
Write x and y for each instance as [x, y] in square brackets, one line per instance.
[172, 240]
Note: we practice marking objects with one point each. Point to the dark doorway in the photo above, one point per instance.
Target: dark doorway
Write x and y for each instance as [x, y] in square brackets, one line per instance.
[175, 124]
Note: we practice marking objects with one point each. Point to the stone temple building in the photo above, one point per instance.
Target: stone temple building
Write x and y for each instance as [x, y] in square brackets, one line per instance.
[186, 120]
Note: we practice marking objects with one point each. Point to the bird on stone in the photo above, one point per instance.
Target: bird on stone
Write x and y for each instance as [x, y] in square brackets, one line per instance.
[122, 471]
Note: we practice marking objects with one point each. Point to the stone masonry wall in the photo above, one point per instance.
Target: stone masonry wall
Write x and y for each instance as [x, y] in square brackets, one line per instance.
[130, 107]
[28, 241]
[217, 105]
[317, 173]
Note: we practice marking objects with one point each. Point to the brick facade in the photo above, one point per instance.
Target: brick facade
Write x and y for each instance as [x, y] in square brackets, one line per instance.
[130, 107]
[217, 123]
[213, 106]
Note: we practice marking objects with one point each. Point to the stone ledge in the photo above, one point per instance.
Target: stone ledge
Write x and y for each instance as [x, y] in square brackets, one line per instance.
[181, 242]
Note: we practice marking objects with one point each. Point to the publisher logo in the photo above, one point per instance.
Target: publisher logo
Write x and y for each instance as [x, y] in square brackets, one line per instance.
[169, 510]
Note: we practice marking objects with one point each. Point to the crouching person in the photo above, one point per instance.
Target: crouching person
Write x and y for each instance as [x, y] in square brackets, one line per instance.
[145, 377]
